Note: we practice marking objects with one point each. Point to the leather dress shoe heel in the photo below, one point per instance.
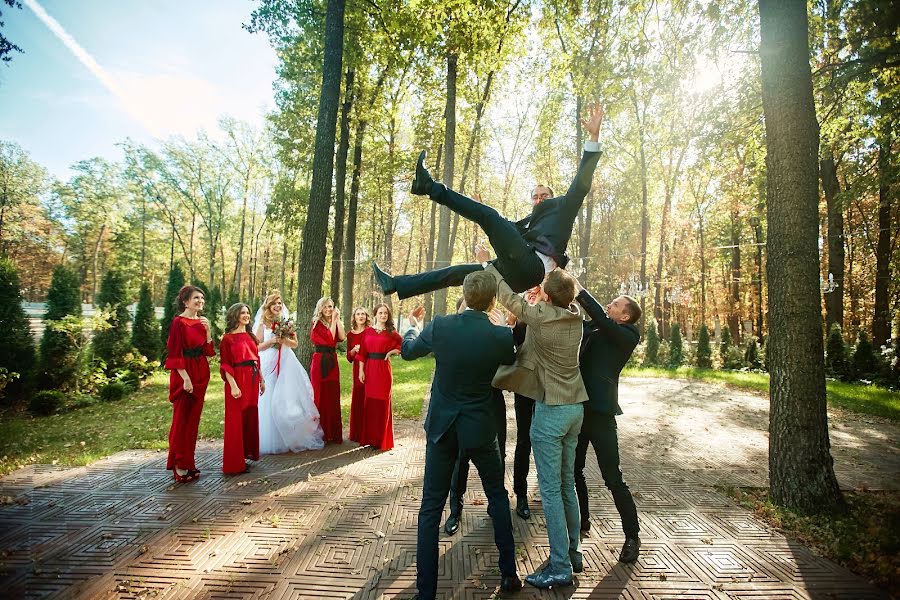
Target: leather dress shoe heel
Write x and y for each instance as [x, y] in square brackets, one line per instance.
[452, 524]
[545, 579]
[510, 583]
[630, 550]
[421, 185]
[384, 281]
[522, 508]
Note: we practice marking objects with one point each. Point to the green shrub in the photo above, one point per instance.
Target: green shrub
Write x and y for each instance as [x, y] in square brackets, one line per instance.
[651, 352]
[724, 346]
[17, 353]
[113, 391]
[865, 363]
[734, 358]
[61, 345]
[704, 349]
[836, 363]
[114, 343]
[175, 283]
[676, 348]
[134, 369]
[751, 353]
[145, 331]
[46, 402]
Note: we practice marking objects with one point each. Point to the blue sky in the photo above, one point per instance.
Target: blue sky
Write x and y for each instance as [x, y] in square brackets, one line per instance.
[154, 69]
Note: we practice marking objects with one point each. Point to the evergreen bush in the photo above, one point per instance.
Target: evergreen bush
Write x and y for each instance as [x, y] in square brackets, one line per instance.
[836, 363]
[145, 331]
[113, 391]
[60, 353]
[676, 348]
[46, 402]
[114, 343]
[17, 354]
[175, 283]
[651, 353]
[704, 349]
[865, 363]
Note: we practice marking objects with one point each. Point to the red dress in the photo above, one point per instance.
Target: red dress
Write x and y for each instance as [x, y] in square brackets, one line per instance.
[188, 350]
[325, 378]
[357, 403]
[378, 425]
[239, 357]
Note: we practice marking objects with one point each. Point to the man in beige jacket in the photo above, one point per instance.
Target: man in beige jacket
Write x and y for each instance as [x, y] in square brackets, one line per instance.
[547, 370]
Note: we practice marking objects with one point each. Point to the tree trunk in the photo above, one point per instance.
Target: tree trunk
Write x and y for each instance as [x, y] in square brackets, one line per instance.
[758, 237]
[432, 241]
[703, 267]
[801, 470]
[734, 285]
[340, 182]
[834, 302]
[443, 239]
[645, 222]
[881, 323]
[95, 262]
[239, 262]
[315, 232]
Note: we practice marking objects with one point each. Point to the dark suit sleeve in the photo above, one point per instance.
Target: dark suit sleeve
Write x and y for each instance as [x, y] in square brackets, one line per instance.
[416, 346]
[508, 345]
[581, 185]
[621, 335]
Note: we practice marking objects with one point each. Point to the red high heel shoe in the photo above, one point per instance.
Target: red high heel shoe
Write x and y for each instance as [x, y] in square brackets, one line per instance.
[187, 477]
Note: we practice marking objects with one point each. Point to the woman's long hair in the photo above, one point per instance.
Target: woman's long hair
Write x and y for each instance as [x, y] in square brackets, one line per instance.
[272, 297]
[184, 295]
[317, 316]
[389, 324]
[233, 320]
[365, 310]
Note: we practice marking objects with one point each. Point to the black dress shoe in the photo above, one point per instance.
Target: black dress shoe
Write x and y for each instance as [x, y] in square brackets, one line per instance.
[545, 579]
[577, 560]
[384, 281]
[421, 185]
[522, 507]
[510, 583]
[452, 524]
[585, 524]
[630, 550]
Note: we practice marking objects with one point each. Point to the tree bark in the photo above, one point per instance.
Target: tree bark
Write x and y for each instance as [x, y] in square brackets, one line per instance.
[881, 323]
[340, 182]
[645, 222]
[801, 470]
[834, 302]
[315, 232]
[432, 242]
[444, 251]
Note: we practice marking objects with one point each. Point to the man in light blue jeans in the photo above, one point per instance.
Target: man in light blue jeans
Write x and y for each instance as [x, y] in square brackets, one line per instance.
[547, 370]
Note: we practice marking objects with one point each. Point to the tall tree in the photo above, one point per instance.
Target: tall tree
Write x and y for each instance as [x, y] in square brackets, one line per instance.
[801, 470]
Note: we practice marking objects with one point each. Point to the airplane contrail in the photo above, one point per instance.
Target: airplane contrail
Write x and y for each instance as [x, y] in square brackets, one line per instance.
[85, 58]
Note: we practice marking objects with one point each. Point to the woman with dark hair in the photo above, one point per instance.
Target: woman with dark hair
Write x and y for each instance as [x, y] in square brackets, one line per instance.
[326, 332]
[239, 367]
[189, 345]
[360, 325]
[379, 344]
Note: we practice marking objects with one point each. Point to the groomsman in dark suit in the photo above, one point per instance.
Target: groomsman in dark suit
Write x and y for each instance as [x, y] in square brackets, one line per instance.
[526, 249]
[609, 339]
[467, 348]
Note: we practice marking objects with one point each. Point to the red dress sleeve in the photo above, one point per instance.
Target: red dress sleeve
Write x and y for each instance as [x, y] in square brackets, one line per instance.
[209, 349]
[396, 341]
[363, 353]
[226, 360]
[175, 346]
[351, 341]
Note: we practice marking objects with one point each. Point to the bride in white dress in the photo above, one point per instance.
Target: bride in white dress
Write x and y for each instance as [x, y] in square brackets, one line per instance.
[288, 418]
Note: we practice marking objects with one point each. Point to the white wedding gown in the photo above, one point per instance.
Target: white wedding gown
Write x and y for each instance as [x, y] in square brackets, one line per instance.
[288, 418]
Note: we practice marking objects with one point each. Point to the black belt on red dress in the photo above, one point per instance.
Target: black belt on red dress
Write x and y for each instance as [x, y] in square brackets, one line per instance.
[193, 352]
[376, 356]
[329, 358]
[252, 364]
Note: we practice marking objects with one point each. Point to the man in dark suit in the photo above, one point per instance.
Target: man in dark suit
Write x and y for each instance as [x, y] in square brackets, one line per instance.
[609, 339]
[467, 348]
[526, 249]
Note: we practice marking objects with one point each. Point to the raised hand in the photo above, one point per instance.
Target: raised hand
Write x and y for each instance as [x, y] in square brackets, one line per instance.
[416, 316]
[496, 317]
[594, 120]
[481, 253]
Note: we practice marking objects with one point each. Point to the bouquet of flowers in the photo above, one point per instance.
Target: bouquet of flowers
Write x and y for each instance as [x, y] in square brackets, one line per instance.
[284, 328]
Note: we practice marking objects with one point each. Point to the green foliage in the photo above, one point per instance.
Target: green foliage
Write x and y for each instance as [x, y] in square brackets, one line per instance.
[212, 310]
[651, 354]
[145, 331]
[46, 402]
[135, 368]
[676, 348]
[61, 346]
[16, 345]
[113, 391]
[751, 353]
[726, 341]
[836, 363]
[865, 363]
[704, 349]
[114, 343]
[5, 378]
[175, 283]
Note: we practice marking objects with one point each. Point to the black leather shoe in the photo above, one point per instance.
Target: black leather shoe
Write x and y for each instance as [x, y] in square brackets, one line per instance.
[384, 281]
[452, 524]
[545, 579]
[577, 561]
[522, 507]
[585, 524]
[510, 583]
[630, 550]
[421, 185]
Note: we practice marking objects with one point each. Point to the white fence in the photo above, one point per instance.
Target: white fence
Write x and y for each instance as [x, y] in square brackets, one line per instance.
[35, 312]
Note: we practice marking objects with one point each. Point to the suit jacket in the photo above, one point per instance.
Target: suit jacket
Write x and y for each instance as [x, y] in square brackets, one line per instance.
[606, 348]
[546, 367]
[549, 226]
[467, 349]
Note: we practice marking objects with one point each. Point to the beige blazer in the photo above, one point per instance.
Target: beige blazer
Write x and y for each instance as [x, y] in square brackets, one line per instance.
[546, 367]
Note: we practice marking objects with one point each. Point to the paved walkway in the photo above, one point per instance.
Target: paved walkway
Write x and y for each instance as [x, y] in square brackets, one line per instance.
[341, 522]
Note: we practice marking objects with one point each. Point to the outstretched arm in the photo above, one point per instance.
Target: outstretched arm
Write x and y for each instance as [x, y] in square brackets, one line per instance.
[525, 312]
[600, 320]
[581, 185]
[414, 345]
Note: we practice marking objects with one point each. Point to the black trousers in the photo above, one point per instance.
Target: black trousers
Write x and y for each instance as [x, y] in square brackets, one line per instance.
[522, 460]
[439, 460]
[600, 432]
[516, 259]
[460, 478]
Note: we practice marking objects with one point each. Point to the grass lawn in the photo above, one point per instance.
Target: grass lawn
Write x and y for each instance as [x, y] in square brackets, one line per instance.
[866, 540]
[856, 397]
[142, 420]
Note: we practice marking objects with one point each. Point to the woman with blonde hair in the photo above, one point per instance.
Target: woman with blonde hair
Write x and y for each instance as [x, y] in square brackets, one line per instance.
[326, 332]
[379, 345]
[360, 325]
[288, 419]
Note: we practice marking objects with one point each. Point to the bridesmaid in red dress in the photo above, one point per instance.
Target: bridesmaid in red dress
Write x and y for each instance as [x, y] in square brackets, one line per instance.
[380, 343]
[189, 345]
[361, 324]
[239, 367]
[326, 332]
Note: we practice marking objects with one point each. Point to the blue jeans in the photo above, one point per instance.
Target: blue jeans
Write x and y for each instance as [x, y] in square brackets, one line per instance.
[554, 437]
